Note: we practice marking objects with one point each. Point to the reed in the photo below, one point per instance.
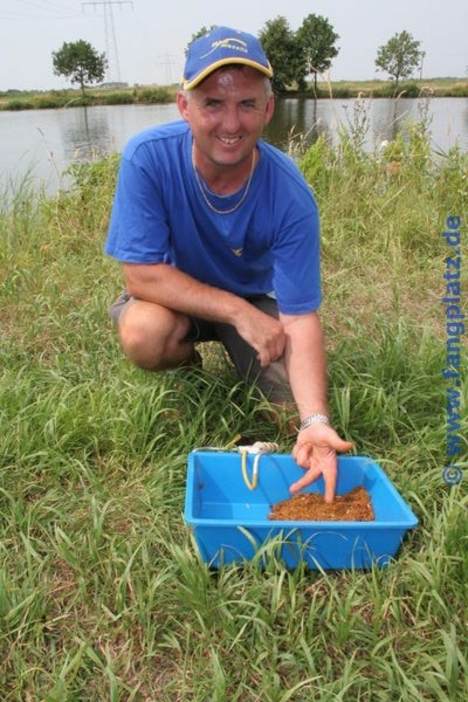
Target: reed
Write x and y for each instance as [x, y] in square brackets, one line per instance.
[70, 98]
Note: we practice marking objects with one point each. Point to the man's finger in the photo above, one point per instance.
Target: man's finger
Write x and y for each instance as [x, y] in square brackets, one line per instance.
[263, 358]
[329, 477]
[340, 444]
[278, 349]
[303, 454]
[308, 478]
[275, 353]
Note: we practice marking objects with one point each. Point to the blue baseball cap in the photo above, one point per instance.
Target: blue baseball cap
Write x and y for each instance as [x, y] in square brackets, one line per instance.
[221, 47]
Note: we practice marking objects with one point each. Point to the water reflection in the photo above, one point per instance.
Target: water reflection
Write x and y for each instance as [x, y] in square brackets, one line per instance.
[388, 118]
[370, 121]
[52, 139]
[88, 136]
[297, 120]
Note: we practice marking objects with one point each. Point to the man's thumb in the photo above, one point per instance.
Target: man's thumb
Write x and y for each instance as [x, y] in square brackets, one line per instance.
[341, 445]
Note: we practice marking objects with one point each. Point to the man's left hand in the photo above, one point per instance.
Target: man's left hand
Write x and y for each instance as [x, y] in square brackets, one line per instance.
[315, 450]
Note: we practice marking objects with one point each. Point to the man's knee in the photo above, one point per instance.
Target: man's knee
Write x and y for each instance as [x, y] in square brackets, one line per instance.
[152, 336]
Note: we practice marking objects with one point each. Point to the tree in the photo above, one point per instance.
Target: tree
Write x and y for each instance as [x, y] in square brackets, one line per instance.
[80, 62]
[317, 38]
[399, 56]
[201, 33]
[284, 53]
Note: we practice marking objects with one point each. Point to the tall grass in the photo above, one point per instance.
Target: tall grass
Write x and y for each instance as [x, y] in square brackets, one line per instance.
[435, 87]
[71, 98]
[102, 595]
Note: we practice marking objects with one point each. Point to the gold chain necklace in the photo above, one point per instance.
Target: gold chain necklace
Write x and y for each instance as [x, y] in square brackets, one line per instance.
[205, 197]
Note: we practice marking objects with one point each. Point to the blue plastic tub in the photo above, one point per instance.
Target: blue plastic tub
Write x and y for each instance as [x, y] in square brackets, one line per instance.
[230, 522]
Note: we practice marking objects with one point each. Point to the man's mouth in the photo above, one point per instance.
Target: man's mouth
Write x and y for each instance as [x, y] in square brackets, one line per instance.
[229, 141]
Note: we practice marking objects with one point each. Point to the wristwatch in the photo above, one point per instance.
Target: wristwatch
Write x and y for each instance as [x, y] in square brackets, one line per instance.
[314, 419]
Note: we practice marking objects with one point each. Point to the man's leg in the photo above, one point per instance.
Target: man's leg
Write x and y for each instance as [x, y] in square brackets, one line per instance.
[152, 336]
[273, 380]
[156, 338]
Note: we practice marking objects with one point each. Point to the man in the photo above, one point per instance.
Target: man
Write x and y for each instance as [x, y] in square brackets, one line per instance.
[218, 235]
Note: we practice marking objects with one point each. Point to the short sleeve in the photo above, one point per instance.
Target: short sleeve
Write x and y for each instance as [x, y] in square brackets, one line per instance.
[296, 264]
[138, 230]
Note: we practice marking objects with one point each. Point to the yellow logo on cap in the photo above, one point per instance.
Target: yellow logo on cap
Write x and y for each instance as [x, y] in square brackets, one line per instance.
[228, 43]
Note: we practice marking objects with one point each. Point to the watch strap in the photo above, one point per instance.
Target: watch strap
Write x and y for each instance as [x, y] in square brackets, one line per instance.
[314, 419]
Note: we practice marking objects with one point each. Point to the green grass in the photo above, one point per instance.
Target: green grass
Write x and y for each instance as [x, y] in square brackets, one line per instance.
[34, 100]
[433, 87]
[56, 99]
[102, 596]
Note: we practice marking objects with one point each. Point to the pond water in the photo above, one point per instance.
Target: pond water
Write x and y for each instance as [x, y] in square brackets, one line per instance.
[42, 143]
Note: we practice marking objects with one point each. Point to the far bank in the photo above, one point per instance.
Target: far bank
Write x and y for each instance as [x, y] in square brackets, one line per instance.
[155, 94]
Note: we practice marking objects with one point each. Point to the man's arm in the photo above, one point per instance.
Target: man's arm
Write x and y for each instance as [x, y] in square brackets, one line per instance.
[305, 362]
[165, 285]
[316, 446]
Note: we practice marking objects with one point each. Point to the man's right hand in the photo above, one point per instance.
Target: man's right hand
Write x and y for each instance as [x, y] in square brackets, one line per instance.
[177, 291]
[264, 333]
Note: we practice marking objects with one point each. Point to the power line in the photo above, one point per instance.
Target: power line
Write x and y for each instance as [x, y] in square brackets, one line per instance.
[56, 10]
[59, 6]
[48, 7]
[112, 50]
[38, 17]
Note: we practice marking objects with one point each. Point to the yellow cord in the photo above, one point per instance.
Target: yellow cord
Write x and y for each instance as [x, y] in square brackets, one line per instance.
[251, 484]
[257, 449]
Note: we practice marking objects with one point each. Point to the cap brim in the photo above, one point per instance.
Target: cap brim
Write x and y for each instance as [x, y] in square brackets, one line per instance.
[190, 84]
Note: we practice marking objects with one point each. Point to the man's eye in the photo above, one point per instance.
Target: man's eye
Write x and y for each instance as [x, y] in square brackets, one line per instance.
[249, 104]
[212, 103]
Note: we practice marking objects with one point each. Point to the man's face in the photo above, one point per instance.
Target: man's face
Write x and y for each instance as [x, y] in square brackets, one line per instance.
[227, 113]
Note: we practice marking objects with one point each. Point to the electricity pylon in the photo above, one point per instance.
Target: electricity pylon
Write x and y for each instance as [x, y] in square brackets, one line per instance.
[112, 50]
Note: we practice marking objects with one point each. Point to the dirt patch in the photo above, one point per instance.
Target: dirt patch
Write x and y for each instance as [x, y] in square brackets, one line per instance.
[353, 506]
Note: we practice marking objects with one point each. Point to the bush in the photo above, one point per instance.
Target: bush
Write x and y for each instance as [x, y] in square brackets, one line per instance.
[90, 178]
[154, 95]
[86, 101]
[18, 105]
[460, 90]
[410, 90]
[387, 90]
[317, 164]
[118, 99]
[341, 93]
[50, 102]
[62, 92]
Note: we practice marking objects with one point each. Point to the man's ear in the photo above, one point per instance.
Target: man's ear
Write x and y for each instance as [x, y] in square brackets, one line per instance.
[269, 109]
[182, 104]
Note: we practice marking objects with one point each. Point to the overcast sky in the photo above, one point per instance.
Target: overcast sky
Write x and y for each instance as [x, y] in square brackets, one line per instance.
[151, 35]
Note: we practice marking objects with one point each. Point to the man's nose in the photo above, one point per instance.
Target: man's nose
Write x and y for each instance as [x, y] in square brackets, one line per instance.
[231, 120]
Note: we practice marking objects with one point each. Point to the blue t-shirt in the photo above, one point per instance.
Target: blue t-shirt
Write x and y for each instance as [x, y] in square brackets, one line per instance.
[269, 244]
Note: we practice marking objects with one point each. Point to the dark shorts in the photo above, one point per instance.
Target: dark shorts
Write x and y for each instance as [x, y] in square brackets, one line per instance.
[273, 380]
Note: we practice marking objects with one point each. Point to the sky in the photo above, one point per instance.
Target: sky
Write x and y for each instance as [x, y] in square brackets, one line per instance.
[151, 35]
